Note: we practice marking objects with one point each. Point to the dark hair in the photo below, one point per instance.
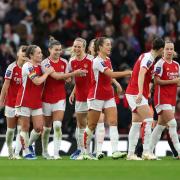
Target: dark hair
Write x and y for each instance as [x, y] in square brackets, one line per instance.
[97, 43]
[23, 48]
[158, 43]
[30, 50]
[53, 42]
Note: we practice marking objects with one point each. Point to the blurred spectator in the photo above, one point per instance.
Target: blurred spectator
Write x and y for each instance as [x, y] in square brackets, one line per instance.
[51, 5]
[16, 12]
[73, 27]
[109, 31]
[121, 54]
[65, 12]
[10, 36]
[4, 7]
[153, 27]
[28, 25]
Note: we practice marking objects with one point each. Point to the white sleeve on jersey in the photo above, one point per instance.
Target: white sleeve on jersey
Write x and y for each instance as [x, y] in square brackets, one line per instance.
[98, 64]
[44, 64]
[146, 62]
[9, 71]
[158, 68]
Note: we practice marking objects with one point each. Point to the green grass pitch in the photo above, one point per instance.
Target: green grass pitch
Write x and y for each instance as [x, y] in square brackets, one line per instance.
[106, 169]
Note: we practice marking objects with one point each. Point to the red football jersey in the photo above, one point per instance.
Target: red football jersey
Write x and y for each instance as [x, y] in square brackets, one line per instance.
[146, 61]
[166, 94]
[29, 94]
[54, 90]
[101, 85]
[82, 82]
[13, 73]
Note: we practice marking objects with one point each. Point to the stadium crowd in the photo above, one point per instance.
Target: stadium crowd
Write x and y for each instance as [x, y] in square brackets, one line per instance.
[130, 24]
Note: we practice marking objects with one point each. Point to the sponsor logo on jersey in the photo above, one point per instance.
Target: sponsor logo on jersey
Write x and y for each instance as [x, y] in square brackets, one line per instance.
[172, 75]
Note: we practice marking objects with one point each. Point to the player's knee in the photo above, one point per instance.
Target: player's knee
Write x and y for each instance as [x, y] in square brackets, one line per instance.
[112, 123]
[38, 129]
[92, 126]
[48, 124]
[25, 127]
[82, 125]
[172, 123]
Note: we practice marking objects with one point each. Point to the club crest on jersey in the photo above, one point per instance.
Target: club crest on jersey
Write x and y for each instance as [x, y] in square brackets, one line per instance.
[158, 70]
[103, 64]
[149, 63]
[167, 69]
[8, 73]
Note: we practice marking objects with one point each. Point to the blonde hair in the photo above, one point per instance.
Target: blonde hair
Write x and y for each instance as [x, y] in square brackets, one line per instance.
[81, 40]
